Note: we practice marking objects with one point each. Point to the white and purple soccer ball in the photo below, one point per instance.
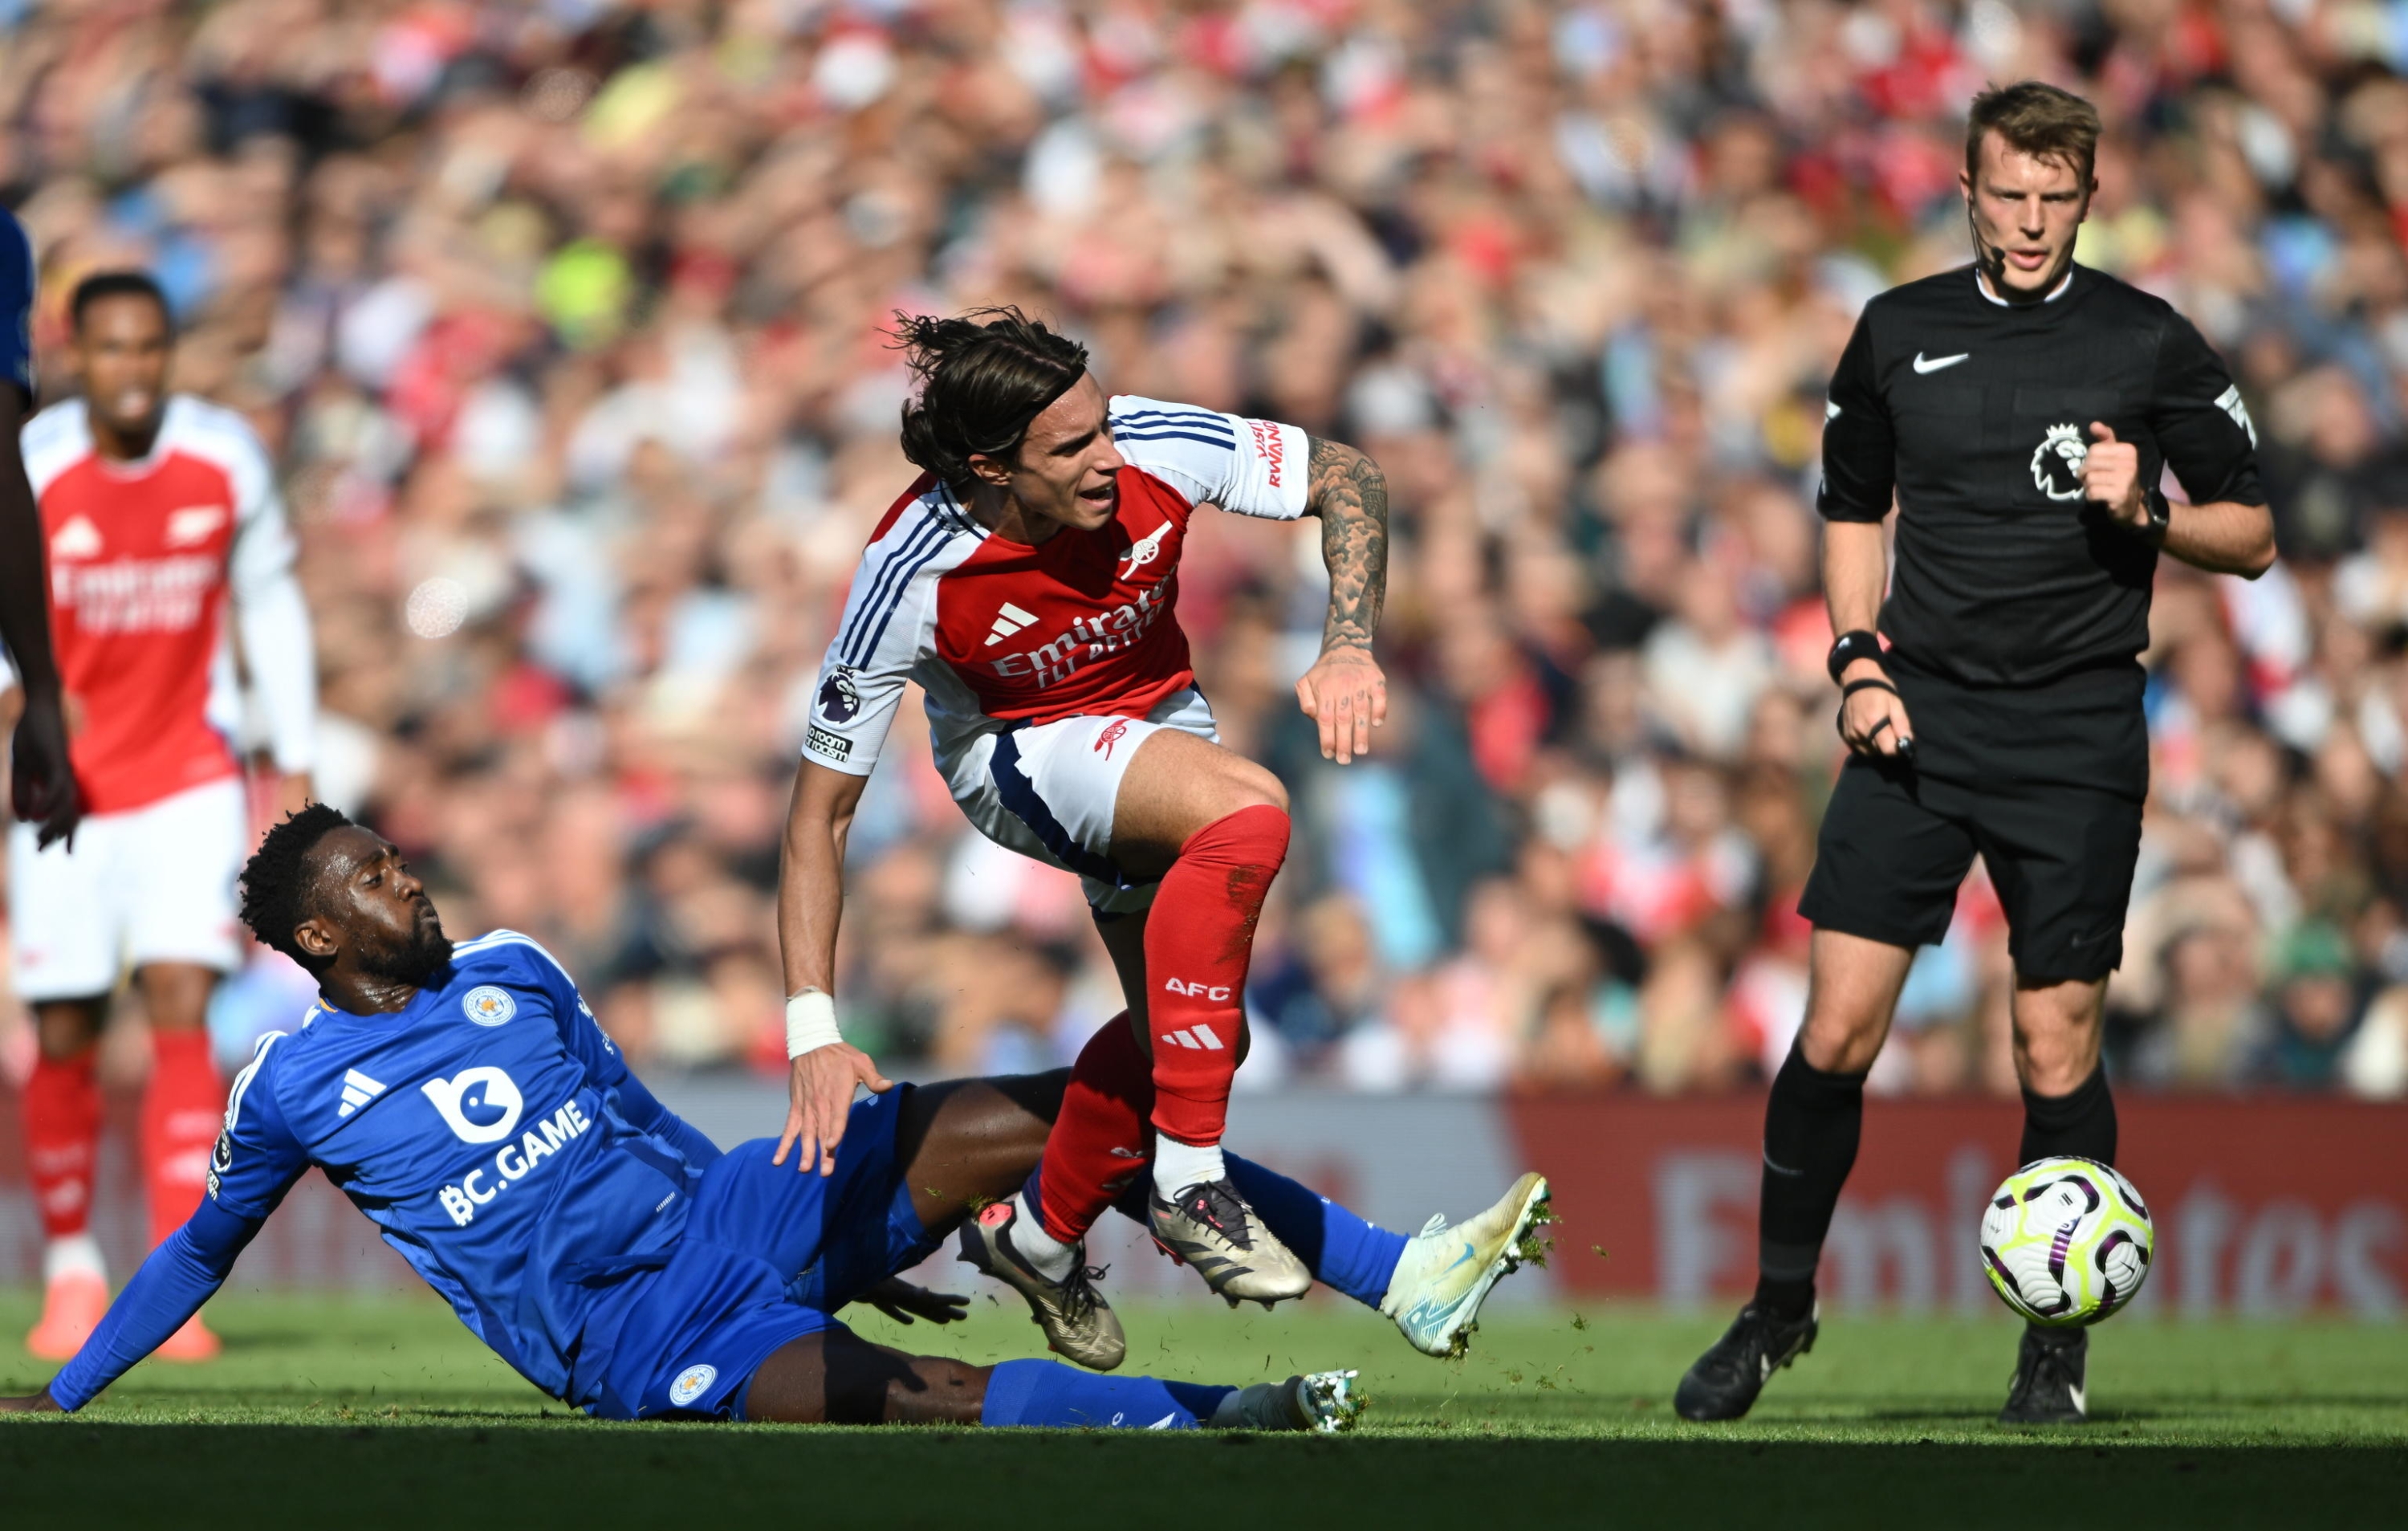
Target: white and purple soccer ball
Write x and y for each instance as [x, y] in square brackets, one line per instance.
[2067, 1241]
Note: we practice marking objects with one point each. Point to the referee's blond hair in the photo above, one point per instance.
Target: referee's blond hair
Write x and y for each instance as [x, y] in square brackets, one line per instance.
[2038, 119]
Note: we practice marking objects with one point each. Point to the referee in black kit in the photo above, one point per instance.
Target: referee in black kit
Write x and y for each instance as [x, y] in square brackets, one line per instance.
[2022, 409]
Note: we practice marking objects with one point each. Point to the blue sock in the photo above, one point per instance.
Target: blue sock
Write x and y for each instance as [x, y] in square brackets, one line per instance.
[1343, 1253]
[1047, 1392]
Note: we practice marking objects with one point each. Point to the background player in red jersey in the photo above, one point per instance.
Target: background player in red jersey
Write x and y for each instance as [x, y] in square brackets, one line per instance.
[1027, 583]
[159, 511]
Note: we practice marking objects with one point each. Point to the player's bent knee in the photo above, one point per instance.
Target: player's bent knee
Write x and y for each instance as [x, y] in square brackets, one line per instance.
[1246, 785]
[1266, 790]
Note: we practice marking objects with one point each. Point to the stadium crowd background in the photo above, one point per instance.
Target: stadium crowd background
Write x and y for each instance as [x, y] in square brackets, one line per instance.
[565, 322]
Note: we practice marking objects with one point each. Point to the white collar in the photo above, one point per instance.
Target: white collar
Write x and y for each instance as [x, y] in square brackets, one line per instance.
[1982, 284]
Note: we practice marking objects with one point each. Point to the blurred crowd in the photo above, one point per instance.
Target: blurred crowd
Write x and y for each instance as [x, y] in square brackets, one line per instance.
[566, 321]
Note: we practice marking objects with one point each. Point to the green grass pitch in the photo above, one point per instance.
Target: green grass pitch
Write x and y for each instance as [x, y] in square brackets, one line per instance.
[374, 1413]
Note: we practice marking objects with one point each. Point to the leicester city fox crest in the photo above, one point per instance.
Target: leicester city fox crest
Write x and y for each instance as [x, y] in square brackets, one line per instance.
[2057, 462]
[488, 1005]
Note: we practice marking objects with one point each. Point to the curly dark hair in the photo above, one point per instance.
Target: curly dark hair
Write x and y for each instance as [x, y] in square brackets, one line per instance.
[276, 880]
[103, 286]
[984, 377]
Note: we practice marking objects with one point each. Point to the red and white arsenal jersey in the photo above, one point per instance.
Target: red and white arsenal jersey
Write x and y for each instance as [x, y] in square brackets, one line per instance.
[999, 632]
[143, 558]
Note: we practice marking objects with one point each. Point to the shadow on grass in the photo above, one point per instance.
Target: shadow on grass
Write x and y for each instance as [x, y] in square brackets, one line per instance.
[138, 1475]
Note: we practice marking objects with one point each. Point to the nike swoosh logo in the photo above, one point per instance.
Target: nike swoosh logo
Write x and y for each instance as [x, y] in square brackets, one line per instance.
[2080, 1401]
[1936, 363]
[1168, 1421]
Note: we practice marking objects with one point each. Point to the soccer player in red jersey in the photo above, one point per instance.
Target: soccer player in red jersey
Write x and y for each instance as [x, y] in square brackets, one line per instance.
[1027, 581]
[159, 514]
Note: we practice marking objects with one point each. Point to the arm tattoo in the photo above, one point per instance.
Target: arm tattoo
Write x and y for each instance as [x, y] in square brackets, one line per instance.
[1350, 495]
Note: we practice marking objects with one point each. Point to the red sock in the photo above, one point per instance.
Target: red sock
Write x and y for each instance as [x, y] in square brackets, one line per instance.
[1197, 943]
[181, 1112]
[62, 1139]
[1101, 1138]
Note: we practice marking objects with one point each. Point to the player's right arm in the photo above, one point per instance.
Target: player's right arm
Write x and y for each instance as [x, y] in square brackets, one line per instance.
[810, 900]
[256, 1160]
[180, 1275]
[43, 787]
[1859, 478]
[888, 616]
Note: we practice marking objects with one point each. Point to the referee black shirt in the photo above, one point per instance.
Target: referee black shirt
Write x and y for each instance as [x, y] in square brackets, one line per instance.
[1978, 415]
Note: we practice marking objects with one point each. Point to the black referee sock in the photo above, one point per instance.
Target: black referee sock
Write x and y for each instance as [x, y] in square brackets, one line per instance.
[2081, 1125]
[1811, 1128]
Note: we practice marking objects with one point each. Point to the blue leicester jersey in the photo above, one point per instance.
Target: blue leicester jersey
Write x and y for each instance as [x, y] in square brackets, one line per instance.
[485, 1129]
[16, 304]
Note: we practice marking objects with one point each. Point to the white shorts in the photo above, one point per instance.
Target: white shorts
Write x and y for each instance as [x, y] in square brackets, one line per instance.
[1048, 791]
[155, 883]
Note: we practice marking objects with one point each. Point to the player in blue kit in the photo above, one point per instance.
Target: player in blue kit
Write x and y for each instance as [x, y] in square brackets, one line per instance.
[465, 1100]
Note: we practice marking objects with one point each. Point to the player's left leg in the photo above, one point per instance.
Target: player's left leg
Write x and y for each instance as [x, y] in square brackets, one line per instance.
[1152, 812]
[1213, 827]
[2062, 857]
[2069, 1111]
[837, 1378]
[180, 935]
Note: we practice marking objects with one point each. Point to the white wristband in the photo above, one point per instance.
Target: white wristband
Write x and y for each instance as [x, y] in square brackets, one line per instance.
[810, 1022]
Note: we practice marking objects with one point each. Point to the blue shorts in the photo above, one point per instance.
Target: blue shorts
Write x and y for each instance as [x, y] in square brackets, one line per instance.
[768, 1255]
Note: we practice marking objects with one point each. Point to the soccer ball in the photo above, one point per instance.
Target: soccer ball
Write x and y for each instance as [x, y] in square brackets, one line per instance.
[2066, 1241]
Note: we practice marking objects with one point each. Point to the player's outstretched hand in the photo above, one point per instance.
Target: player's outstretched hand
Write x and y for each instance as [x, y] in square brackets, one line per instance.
[37, 1403]
[1874, 721]
[819, 1098]
[1347, 694]
[2110, 474]
[903, 1302]
[42, 786]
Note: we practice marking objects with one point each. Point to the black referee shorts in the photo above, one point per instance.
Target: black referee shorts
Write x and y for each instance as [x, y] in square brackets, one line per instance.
[2046, 782]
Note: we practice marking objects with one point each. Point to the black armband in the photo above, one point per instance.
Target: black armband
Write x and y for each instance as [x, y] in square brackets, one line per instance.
[1850, 647]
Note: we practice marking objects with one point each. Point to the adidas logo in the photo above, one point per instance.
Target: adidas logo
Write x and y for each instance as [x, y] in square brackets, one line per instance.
[358, 1090]
[1195, 1039]
[78, 538]
[1007, 622]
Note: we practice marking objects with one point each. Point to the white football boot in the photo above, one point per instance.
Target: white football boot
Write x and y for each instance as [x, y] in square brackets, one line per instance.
[1447, 1271]
[1323, 1402]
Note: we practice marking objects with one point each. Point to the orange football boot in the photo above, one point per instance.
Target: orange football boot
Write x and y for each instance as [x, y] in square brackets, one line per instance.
[72, 1306]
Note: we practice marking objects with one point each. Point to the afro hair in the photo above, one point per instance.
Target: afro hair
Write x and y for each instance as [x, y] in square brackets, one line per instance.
[276, 880]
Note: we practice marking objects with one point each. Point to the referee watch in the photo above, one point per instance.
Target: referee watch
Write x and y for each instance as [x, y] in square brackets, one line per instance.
[2161, 518]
